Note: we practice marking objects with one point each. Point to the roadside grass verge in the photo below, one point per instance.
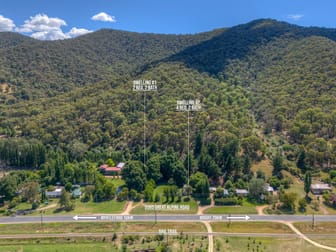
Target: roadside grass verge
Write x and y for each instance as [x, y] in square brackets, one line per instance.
[60, 246]
[231, 210]
[238, 244]
[120, 242]
[98, 227]
[323, 232]
[319, 227]
[246, 208]
[251, 227]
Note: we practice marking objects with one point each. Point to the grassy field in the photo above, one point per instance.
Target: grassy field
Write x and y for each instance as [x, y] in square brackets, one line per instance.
[269, 244]
[98, 227]
[105, 207]
[251, 227]
[231, 210]
[64, 247]
[122, 243]
[331, 242]
[179, 244]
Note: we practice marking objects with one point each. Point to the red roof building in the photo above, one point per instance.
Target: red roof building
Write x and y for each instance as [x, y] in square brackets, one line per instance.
[106, 170]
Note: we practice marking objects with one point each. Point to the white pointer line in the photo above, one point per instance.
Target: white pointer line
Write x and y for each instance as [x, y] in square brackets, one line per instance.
[238, 217]
[84, 217]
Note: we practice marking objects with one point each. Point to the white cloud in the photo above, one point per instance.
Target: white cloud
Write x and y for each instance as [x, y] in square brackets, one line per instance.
[43, 27]
[42, 23]
[102, 16]
[295, 17]
[6, 24]
[74, 32]
[49, 35]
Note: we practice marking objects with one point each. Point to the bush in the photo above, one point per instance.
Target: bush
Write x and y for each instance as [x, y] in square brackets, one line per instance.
[157, 198]
[35, 205]
[68, 187]
[14, 202]
[51, 188]
[302, 205]
[332, 174]
[294, 171]
[86, 197]
[205, 201]
[138, 197]
[186, 199]
[226, 202]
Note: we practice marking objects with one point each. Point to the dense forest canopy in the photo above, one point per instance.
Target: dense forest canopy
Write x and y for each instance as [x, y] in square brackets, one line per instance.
[72, 100]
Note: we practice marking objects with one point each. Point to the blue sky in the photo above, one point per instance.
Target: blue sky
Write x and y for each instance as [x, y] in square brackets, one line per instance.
[59, 19]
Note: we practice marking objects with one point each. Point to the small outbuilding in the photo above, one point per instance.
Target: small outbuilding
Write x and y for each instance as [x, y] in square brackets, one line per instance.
[320, 188]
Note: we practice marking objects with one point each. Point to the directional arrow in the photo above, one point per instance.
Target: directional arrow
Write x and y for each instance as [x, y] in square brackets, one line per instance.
[85, 217]
[238, 217]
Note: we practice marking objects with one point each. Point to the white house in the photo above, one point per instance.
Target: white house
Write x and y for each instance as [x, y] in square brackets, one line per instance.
[54, 194]
[242, 192]
[269, 188]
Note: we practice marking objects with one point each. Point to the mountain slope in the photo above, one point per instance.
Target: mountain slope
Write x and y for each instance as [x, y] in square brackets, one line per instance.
[10, 39]
[285, 74]
[58, 66]
[110, 114]
[237, 43]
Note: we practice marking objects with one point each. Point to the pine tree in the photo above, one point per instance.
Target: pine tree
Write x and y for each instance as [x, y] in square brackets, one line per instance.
[198, 145]
[307, 182]
[277, 165]
[301, 161]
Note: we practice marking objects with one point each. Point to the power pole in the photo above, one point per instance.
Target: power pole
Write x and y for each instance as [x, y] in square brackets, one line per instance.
[313, 221]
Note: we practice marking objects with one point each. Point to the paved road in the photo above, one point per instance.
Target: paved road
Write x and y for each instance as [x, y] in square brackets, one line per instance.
[170, 218]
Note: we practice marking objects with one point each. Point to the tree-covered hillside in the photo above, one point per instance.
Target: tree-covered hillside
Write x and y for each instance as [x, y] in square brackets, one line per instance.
[9, 39]
[280, 74]
[45, 68]
[110, 114]
[293, 86]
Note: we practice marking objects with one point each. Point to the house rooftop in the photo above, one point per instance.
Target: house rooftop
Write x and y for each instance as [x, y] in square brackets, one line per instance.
[121, 165]
[103, 166]
[321, 186]
[241, 191]
[269, 188]
[112, 169]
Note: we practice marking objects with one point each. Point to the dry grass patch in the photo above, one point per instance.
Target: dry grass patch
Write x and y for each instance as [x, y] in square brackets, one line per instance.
[320, 228]
[251, 227]
[265, 166]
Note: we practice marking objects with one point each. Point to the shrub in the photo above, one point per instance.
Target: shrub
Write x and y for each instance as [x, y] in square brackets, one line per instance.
[35, 205]
[226, 202]
[14, 202]
[205, 201]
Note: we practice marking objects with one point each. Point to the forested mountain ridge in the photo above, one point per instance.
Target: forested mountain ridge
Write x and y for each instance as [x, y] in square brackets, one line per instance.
[239, 42]
[285, 74]
[10, 39]
[44, 68]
